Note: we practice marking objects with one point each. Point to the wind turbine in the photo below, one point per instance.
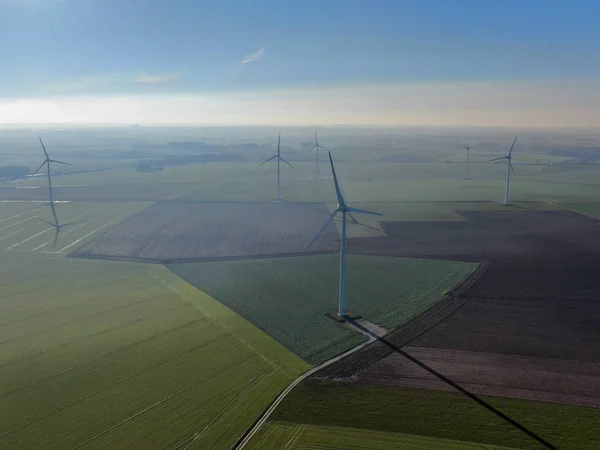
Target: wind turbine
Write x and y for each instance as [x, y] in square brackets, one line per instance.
[57, 225]
[468, 147]
[317, 146]
[279, 159]
[346, 210]
[509, 168]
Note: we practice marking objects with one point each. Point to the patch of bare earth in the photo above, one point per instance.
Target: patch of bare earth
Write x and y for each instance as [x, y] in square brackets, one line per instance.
[531, 378]
[528, 327]
[196, 231]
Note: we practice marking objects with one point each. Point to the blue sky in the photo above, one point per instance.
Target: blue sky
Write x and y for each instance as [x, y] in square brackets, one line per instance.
[75, 48]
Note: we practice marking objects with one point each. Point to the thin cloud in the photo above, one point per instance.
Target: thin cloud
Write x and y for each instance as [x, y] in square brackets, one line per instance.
[252, 57]
[153, 79]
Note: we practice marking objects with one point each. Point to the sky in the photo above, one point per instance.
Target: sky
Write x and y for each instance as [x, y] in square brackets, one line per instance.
[373, 62]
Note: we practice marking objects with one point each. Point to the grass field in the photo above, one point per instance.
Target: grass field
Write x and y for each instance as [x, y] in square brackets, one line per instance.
[589, 209]
[22, 229]
[289, 436]
[289, 297]
[98, 354]
[366, 181]
[446, 415]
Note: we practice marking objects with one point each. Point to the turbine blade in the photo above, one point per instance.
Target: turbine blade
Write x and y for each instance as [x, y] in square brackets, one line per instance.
[59, 162]
[467, 147]
[316, 140]
[498, 159]
[511, 147]
[44, 148]
[324, 148]
[364, 211]
[267, 160]
[39, 168]
[312, 148]
[327, 222]
[511, 167]
[285, 161]
[338, 192]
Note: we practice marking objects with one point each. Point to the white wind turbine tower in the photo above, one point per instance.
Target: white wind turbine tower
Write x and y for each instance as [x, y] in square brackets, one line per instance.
[343, 208]
[509, 168]
[468, 148]
[279, 159]
[317, 146]
[57, 225]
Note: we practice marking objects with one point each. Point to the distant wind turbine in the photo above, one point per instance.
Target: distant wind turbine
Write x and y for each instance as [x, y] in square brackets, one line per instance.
[509, 168]
[468, 147]
[343, 208]
[57, 225]
[279, 159]
[317, 146]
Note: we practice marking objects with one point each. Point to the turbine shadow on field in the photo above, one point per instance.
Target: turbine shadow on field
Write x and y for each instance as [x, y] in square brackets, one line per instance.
[454, 385]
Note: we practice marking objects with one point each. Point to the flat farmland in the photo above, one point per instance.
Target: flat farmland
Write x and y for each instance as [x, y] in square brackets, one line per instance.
[170, 231]
[289, 297]
[547, 328]
[278, 435]
[22, 229]
[531, 378]
[437, 414]
[486, 235]
[104, 354]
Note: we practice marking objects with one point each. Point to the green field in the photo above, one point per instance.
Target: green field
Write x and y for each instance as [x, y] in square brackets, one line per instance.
[589, 209]
[289, 297]
[22, 229]
[97, 354]
[446, 415]
[289, 436]
[365, 181]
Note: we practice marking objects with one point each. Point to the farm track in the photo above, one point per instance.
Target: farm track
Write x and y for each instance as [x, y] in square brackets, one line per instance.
[536, 303]
[375, 351]
[247, 437]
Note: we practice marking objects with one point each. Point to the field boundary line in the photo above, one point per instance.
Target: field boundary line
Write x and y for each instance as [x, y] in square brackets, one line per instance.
[72, 229]
[88, 234]
[214, 319]
[196, 436]
[52, 240]
[247, 437]
[295, 437]
[42, 232]
[19, 215]
[411, 329]
[18, 223]
[579, 213]
[16, 232]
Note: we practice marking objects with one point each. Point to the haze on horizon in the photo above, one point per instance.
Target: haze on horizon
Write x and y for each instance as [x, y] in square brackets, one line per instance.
[434, 63]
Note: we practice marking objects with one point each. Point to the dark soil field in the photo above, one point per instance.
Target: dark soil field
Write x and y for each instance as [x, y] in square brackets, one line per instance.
[195, 231]
[531, 378]
[528, 327]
